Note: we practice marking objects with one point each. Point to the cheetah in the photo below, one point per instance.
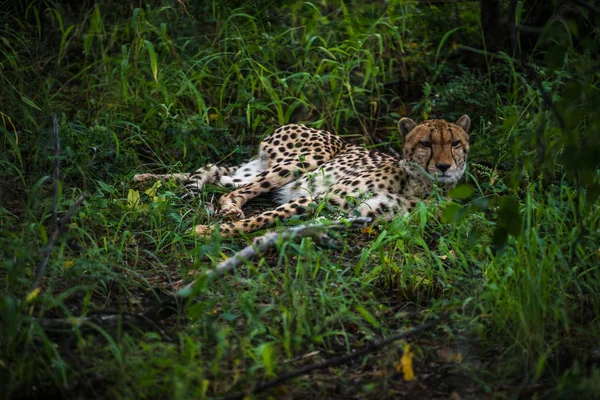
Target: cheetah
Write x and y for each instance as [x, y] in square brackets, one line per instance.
[303, 165]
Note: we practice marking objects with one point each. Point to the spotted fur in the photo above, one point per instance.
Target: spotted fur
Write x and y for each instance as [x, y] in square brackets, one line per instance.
[304, 165]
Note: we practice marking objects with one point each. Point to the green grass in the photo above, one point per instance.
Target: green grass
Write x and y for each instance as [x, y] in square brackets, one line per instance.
[511, 260]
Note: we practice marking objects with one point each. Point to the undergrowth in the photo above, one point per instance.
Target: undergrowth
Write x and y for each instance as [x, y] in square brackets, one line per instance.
[508, 263]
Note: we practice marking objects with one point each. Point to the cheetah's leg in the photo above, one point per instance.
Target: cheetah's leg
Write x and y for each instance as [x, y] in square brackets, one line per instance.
[264, 220]
[272, 178]
[385, 206]
[193, 180]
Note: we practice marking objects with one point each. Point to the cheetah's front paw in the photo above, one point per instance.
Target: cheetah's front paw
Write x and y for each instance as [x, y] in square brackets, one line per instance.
[204, 230]
[231, 212]
[142, 177]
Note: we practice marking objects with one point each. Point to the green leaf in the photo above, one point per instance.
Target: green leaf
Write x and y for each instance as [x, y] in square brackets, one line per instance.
[153, 59]
[30, 102]
[461, 192]
[500, 237]
[453, 213]
[510, 121]
[43, 234]
[509, 221]
[367, 316]
[509, 215]
[267, 355]
[152, 191]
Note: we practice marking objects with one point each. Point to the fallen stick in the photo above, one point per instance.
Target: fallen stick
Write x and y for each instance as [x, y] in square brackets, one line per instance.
[331, 362]
[259, 245]
[317, 232]
[57, 224]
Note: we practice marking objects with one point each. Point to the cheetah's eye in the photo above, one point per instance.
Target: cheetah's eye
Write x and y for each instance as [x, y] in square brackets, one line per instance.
[425, 143]
[456, 143]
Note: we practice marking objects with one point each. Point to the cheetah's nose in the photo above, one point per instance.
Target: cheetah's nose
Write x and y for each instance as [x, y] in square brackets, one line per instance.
[442, 166]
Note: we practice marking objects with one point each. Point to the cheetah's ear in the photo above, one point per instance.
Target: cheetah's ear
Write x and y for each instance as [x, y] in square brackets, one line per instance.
[464, 122]
[405, 125]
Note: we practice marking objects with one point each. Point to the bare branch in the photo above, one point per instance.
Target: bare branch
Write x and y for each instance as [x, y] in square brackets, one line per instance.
[56, 177]
[265, 242]
[332, 362]
[57, 224]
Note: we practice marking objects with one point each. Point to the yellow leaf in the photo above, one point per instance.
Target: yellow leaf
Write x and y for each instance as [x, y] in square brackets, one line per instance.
[405, 365]
[69, 263]
[133, 198]
[154, 189]
[368, 230]
[32, 295]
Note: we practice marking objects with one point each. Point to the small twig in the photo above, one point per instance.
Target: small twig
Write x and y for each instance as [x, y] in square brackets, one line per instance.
[57, 224]
[302, 357]
[56, 171]
[265, 242]
[332, 362]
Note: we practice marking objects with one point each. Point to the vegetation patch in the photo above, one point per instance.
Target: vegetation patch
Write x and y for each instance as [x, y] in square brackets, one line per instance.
[105, 287]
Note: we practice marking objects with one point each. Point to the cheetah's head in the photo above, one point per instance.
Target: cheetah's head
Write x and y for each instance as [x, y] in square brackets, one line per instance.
[436, 149]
